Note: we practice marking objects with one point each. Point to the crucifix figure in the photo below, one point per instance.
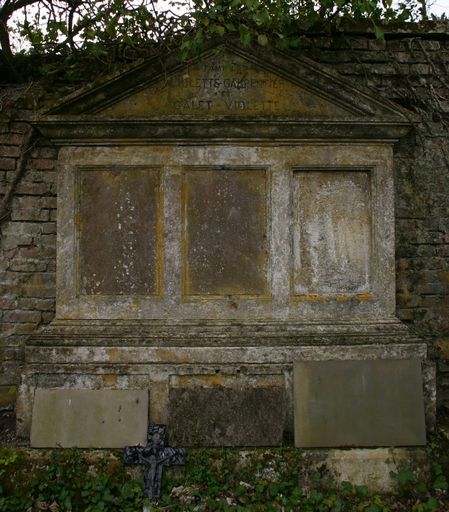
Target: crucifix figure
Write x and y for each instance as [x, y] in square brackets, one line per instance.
[153, 457]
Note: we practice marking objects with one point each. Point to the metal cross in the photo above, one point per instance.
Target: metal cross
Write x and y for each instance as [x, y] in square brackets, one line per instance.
[153, 457]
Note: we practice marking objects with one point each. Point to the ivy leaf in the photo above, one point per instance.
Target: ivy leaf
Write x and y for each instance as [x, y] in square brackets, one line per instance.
[262, 39]
[440, 483]
[220, 30]
[245, 35]
[379, 32]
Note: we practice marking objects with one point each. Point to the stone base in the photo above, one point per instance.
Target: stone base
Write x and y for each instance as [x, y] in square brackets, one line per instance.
[375, 468]
[213, 384]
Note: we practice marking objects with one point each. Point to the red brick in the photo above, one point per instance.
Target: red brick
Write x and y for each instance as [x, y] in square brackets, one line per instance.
[8, 302]
[47, 316]
[7, 164]
[42, 163]
[23, 317]
[35, 303]
[45, 152]
[48, 202]
[19, 127]
[36, 189]
[11, 138]
[13, 151]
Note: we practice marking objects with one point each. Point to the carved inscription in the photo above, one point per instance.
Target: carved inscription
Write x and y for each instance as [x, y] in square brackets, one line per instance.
[225, 85]
[118, 238]
[229, 93]
[225, 232]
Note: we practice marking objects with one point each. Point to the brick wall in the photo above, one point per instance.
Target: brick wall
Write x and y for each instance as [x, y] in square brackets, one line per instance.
[410, 68]
[28, 237]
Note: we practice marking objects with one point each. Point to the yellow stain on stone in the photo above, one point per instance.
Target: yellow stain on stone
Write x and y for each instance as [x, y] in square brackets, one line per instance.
[170, 356]
[313, 298]
[444, 276]
[113, 354]
[442, 344]
[362, 297]
[109, 380]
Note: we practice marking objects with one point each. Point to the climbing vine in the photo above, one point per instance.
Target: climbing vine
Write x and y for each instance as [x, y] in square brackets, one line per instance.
[119, 30]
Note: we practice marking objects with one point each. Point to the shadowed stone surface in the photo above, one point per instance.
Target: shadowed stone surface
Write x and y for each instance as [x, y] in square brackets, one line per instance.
[358, 403]
[226, 232]
[223, 416]
[84, 418]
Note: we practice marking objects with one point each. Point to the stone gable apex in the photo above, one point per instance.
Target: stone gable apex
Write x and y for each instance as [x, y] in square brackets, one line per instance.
[230, 67]
[227, 91]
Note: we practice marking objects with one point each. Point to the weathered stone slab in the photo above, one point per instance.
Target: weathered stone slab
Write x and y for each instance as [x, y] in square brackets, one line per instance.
[358, 403]
[215, 410]
[118, 231]
[84, 418]
[332, 236]
[226, 232]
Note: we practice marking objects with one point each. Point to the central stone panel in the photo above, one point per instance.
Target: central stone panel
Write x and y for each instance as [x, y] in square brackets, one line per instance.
[225, 241]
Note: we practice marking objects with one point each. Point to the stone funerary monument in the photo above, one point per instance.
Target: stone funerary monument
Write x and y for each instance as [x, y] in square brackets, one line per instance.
[222, 223]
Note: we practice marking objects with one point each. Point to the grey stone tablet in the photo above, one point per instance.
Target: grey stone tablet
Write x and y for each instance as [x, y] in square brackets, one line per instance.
[83, 418]
[358, 403]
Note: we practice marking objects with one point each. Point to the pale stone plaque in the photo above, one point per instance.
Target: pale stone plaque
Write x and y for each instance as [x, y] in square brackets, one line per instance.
[225, 232]
[332, 235]
[84, 418]
[359, 403]
[118, 224]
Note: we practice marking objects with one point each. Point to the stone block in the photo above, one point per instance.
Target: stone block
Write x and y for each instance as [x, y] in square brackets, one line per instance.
[359, 403]
[84, 418]
[230, 413]
[375, 468]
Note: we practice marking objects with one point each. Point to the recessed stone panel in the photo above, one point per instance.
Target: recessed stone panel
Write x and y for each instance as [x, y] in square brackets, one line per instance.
[358, 403]
[332, 233]
[84, 418]
[118, 231]
[225, 236]
[220, 410]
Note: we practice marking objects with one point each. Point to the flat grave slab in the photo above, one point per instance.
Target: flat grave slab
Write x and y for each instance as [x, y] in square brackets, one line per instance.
[83, 418]
[358, 403]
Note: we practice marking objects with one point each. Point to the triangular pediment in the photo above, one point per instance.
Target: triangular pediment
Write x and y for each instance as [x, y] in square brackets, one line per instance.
[225, 93]
[229, 81]
[226, 84]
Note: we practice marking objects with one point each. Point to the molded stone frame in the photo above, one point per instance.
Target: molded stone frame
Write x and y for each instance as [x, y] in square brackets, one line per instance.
[280, 166]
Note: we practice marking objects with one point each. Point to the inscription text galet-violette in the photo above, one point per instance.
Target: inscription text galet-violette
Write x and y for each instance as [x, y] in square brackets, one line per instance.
[237, 92]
